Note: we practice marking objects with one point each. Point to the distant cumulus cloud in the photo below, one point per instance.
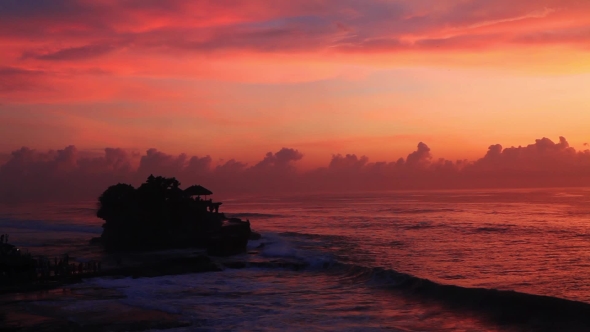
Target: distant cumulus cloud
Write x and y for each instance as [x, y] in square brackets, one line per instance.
[284, 158]
[28, 174]
[419, 157]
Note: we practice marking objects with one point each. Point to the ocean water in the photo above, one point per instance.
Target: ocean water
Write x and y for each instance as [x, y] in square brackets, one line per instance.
[387, 261]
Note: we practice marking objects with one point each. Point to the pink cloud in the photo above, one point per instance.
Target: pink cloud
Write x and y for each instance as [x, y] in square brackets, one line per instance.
[80, 50]
[87, 29]
[18, 79]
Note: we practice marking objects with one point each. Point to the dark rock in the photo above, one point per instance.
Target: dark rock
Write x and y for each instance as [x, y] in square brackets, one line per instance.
[95, 241]
[230, 239]
[235, 265]
[16, 267]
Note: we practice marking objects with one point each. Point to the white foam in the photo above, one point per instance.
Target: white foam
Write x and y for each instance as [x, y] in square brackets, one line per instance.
[277, 246]
[252, 299]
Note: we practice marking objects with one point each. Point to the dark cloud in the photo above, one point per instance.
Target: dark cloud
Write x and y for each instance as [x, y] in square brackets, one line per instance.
[13, 71]
[73, 53]
[555, 36]
[36, 8]
[18, 79]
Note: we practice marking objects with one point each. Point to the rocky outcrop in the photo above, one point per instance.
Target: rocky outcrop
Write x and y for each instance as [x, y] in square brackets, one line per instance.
[160, 215]
[229, 239]
[16, 267]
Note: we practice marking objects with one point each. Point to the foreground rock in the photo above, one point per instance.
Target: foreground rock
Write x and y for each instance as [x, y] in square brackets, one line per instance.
[15, 266]
[136, 267]
[52, 311]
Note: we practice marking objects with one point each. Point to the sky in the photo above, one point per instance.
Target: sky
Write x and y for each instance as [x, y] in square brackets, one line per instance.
[234, 80]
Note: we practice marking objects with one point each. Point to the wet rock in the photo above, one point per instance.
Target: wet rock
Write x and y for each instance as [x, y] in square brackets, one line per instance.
[230, 239]
[108, 316]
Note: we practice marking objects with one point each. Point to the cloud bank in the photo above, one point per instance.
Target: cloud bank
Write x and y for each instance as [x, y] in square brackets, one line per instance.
[69, 174]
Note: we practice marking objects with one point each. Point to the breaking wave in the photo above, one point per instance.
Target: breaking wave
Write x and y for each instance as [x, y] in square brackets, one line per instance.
[418, 211]
[504, 306]
[245, 215]
[492, 229]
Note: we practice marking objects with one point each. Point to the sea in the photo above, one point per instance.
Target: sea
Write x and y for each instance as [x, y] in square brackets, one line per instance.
[469, 260]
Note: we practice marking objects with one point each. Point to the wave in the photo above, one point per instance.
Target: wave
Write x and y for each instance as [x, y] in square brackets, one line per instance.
[502, 306]
[420, 225]
[491, 229]
[245, 215]
[279, 249]
[311, 236]
[418, 211]
[46, 226]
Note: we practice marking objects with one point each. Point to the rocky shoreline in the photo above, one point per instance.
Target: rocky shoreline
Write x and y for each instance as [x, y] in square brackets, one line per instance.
[135, 265]
[22, 308]
[20, 311]
[155, 230]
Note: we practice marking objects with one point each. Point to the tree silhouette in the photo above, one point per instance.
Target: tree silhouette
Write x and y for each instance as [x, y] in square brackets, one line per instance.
[116, 200]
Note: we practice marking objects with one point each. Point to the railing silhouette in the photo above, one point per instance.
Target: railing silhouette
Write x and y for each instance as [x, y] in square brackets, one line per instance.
[17, 267]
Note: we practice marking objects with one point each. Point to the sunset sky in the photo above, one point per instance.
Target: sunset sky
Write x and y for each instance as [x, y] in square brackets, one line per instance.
[239, 78]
